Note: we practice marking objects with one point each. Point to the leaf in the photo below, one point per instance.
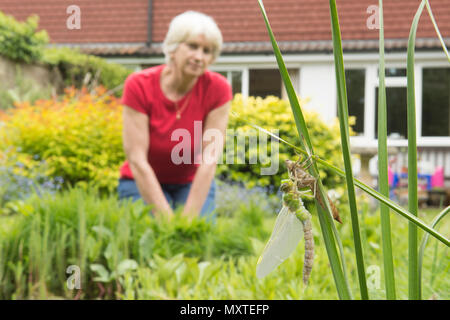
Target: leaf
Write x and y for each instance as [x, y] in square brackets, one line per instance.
[202, 266]
[126, 265]
[101, 271]
[102, 231]
[146, 244]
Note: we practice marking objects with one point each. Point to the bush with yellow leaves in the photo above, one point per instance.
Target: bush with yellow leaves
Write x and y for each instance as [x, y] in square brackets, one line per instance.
[272, 114]
[80, 139]
[79, 136]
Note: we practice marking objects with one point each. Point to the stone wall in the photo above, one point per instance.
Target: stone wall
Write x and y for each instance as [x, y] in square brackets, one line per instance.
[42, 77]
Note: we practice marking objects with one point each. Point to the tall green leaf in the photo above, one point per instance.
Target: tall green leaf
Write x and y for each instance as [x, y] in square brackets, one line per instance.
[383, 169]
[345, 144]
[413, 270]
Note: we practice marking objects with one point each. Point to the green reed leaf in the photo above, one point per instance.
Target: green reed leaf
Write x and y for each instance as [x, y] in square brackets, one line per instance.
[345, 144]
[413, 274]
[383, 169]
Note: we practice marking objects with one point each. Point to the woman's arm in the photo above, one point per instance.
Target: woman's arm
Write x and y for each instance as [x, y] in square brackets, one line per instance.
[215, 125]
[136, 142]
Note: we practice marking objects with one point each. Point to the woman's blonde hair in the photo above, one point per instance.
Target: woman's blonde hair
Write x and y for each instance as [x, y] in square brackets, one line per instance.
[188, 24]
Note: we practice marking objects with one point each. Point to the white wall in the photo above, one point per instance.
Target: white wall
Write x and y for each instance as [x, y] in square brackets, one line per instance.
[318, 83]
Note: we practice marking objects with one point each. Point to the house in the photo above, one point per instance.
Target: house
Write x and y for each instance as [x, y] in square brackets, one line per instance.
[131, 33]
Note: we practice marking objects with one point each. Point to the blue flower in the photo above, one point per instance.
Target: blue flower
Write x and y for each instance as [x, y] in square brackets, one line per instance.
[20, 164]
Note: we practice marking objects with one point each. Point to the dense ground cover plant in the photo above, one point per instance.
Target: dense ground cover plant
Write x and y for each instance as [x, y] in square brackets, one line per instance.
[122, 250]
[236, 279]
[104, 237]
[231, 196]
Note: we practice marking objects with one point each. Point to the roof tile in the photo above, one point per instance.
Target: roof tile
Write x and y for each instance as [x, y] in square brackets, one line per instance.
[293, 21]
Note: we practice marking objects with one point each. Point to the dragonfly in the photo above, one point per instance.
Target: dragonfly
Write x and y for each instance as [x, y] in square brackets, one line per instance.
[292, 222]
[298, 174]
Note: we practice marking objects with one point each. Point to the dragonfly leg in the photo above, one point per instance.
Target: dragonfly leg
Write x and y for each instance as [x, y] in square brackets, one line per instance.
[306, 161]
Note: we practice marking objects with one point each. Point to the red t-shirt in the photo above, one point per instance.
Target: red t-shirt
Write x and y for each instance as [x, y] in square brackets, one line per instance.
[143, 93]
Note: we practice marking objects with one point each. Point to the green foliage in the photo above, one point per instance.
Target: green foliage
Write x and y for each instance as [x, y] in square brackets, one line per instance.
[272, 114]
[120, 247]
[75, 66]
[19, 41]
[72, 135]
[105, 238]
[79, 137]
[180, 277]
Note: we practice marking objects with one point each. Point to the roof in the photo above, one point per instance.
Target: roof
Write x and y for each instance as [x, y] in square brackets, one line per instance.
[102, 21]
[113, 27]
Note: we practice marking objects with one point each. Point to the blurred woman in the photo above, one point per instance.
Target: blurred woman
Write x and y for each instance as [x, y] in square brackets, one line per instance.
[171, 114]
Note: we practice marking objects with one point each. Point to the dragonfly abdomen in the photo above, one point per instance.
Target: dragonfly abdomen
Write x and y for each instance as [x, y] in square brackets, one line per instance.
[309, 250]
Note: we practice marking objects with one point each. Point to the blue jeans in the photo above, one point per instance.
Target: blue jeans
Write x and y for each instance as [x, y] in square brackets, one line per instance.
[176, 194]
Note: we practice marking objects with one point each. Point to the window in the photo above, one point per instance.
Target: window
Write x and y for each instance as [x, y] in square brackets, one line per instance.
[395, 72]
[355, 83]
[236, 81]
[265, 82]
[396, 112]
[436, 102]
[433, 112]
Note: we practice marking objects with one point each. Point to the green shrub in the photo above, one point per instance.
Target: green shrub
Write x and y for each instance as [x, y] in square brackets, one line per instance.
[74, 66]
[79, 137]
[19, 41]
[272, 113]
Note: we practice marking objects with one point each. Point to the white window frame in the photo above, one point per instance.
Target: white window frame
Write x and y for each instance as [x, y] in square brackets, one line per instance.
[244, 77]
[367, 139]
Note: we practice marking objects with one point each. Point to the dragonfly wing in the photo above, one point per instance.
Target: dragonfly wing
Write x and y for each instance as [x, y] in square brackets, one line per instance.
[287, 233]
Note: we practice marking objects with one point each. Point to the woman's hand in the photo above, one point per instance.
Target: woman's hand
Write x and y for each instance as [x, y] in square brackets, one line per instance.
[136, 143]
[212, 147]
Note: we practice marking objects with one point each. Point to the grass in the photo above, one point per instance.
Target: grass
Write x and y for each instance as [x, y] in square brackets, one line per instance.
[198, 276]
[237, 280]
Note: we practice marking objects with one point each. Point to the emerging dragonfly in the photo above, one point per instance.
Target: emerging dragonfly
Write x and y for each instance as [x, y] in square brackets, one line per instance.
[292, 221]
[298, 174]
